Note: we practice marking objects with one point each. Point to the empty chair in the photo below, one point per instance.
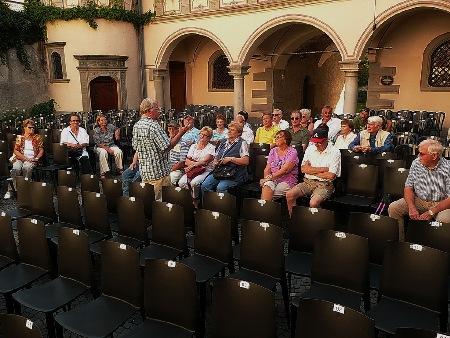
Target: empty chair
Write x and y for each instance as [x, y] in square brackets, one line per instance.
[255, 150]
[340, 270]
[183, 198]
[394, 182]
[378, 230]
[348, 160]
[168, 233]
[242, 309]
[89, 182]
[8, 249]
[121, 295]
[170, 301]
[69, 213]
[413, 288]
[24, 204]
[96, 220]
[4, 171]
[318, 318]
[35, 260]
[402, 150]
[383, 164]
[60, 161]
[75, 277]
[262, 257]
[304, 224]
[408, 332]
[43, 207]
[260, 210]
[14, 326]
[67, 178]
[112, 189]
[146, 193]
[253, 187]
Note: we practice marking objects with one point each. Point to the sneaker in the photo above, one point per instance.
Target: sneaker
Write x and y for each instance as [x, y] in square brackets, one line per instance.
[7, 195]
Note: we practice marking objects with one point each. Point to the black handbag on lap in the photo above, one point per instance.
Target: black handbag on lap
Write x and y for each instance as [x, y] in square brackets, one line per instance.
[225, 171]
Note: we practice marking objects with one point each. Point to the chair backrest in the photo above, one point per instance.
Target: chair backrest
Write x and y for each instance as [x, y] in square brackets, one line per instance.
[146, 193]
[363, 180]
[121, 272]
[385, 156]
[261, 210]
[112, 189]
[67, 178]
[318, 318]
[33, 247]
[131, 218]
[183, 198]
[42, 200]
[260, 163]
[335, 262]
[305, 222]
[255, 150]
[383, 164]
[4, 172]
[409, 332]
[4, 148]
[7, 243]
[14, 326]
[262, 248]
[223, 203]
[56, 135]
[415, 274]
[68, 206]
[89, 182]
[23, 185]
[357, 159]
[170, 293]
[377, 229]
[60, 154]
[74, 256]
[168, 225]
[213, 235]
[11, 140]
[394, 182]
[242, 310]
[96, 212]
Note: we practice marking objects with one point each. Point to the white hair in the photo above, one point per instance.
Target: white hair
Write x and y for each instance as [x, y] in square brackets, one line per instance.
[375, 119]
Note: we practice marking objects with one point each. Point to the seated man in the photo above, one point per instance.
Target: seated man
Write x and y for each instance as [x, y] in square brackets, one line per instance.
[300, 134]
[427, 188]
[191, 136]
[177, 155]
[373, 140]
[277, 116]
[360, 121]
[333, 123]
[266, 133]
[247, 132]
[321, 165]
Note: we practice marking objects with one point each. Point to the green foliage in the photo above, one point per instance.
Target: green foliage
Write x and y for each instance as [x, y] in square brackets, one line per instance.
[363, 75]
[29, 26]
[44, 110]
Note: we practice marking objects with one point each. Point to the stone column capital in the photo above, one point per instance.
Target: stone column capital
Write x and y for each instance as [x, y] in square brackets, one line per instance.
[238, 70]
[350, 67]
[160, 73]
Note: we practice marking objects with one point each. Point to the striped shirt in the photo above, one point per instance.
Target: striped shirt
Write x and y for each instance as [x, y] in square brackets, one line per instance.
[430, 185]
[178, 153]
[151, 142]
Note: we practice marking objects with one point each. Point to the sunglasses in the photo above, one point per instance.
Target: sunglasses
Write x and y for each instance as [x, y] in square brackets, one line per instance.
[276, 114]
[74, 120]
[31, 127]
[295, 118]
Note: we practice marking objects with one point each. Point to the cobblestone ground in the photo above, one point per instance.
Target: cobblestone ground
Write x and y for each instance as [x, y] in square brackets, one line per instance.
[299, 285]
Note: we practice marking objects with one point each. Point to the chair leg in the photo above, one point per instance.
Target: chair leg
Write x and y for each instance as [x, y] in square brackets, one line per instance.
[285, 291]
[9, 303]
[59, 330]
[293, 320]
[50, 324]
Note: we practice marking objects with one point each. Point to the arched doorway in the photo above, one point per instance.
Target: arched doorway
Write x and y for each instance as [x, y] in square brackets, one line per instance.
[308, 94]
[103, 92]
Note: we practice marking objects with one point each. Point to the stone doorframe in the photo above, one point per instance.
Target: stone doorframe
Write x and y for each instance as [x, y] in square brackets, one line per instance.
[93, 66]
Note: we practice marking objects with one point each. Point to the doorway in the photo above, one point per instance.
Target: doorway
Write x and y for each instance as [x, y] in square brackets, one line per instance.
[103, 91]
[177, 73]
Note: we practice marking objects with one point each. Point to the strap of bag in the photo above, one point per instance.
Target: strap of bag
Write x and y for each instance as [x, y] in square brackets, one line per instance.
[229, 149]
[74, 137]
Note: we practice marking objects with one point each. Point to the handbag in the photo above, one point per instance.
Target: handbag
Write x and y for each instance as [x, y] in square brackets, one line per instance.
[225, 171]
[194, 172]
[74, 152]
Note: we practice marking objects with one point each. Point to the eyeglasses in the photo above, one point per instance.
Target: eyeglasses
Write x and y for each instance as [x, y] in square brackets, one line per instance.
[204, 135]
[278, 137]
[304, 116]
[295, 118]
[276, 114]
[74, 120]
[31, 127]
[423, 154]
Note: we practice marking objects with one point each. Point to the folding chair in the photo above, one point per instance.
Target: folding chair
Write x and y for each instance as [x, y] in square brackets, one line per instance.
[8, 249]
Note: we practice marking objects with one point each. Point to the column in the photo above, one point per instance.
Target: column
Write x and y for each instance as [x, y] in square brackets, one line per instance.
[158, 77]
[351, 69]
[238, 72]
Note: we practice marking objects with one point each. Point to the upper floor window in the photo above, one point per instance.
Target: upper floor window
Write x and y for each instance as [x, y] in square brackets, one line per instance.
[439, 74]
[56, 62]
[219, 73]
[57, 66]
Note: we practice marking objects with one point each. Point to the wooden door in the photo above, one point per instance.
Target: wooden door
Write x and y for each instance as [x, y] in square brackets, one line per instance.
[103, 91]
[177, 72]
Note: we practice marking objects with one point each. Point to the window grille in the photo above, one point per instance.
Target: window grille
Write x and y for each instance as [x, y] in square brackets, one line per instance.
[221, 77]
[440, 66]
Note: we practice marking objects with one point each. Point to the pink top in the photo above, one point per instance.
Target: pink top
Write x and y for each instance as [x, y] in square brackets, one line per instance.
[277, 162]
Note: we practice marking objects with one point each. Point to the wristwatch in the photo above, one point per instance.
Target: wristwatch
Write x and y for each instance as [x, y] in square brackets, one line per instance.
[431, 212]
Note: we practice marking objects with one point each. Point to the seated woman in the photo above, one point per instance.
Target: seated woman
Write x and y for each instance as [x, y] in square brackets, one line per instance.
[200, 155]
[28, 151]
[104, 135]
[221, 132]
[346, 136]
[281, 172]
[230, 150]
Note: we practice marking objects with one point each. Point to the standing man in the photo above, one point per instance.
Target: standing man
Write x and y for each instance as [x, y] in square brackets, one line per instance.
[177, 155]
[153, 146]
[373, 140]
[427, 188]
[321, 165]
[360, 121]
[192, 135]
[247, 132]
[333, 123]
[300, 135]
[266, 133]
[277, 115]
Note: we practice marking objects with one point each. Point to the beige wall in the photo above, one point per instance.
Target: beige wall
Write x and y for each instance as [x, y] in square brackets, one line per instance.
[110, 38]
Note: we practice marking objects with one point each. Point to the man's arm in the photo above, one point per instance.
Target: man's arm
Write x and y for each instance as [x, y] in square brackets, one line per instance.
[355, 144]
[408, 195]
[177, 137]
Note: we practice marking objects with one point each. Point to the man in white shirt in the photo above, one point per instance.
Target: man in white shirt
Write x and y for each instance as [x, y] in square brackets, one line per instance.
[333, 123]
[247, 133]
[277, 115]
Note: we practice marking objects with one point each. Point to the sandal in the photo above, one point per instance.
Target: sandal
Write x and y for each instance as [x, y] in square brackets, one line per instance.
[119, 171]
[102, 176]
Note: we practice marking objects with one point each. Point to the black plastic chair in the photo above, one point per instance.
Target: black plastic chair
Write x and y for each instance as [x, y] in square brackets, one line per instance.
[121, 295]
[383, 164]
[35, 260]
[242, 309]
[262, 258]
[75, 278]
[263, 211]
[408, 332]
[183, 198]
[378, 230]
[60, 161]
[96, 219]
[318, 318]
[413, 288]
[89, 182]
[253, 188]
[340, 270]
[42, 204]
[394, 182]
[170, 301]
[168, 233]
[212, 249]
[69, 213]
[67, 178]
[255, 150]
[4, 171]
[14, 326]
[146, 193]
[346, 161]
[305, 222]
[112, 189]
[24, 204]
[8, 249]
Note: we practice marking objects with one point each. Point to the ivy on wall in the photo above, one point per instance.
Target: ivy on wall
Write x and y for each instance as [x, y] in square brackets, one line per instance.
[28, 26]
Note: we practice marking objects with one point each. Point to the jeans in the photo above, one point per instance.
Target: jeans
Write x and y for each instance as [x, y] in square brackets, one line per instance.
[128, 176]
[211, 184]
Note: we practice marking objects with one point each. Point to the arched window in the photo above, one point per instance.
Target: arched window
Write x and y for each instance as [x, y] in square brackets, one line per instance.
[439, 73]
[219, 73]
[57, 66]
